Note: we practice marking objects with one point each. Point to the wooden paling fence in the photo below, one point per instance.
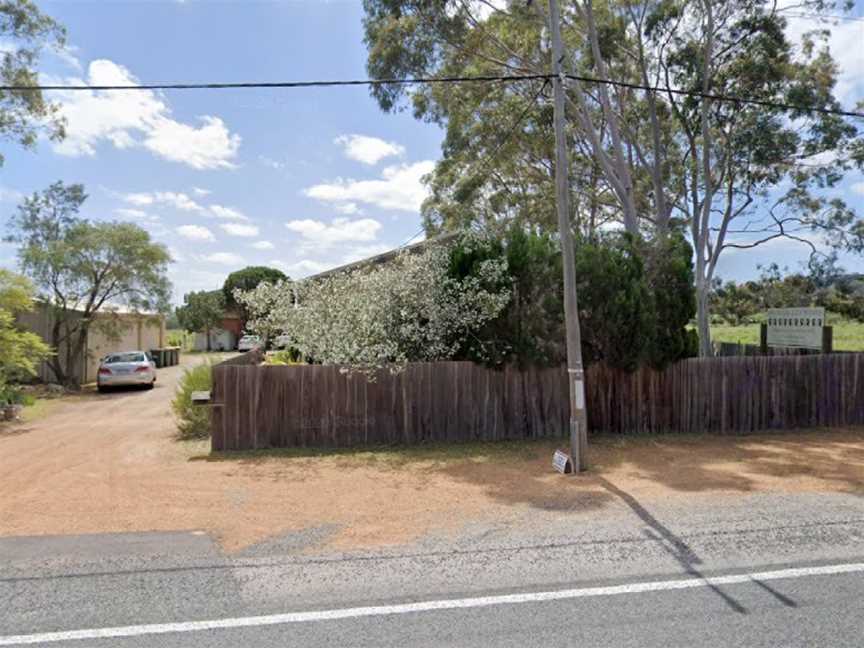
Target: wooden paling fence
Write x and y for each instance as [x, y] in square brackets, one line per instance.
[320, 406]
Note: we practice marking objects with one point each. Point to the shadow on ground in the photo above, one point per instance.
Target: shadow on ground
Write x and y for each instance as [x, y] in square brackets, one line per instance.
[798, 461]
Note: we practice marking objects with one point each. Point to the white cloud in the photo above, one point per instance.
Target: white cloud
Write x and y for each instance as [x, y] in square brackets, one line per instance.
[368, 150]
[301, 268]
[481, 10]
[858, 188]
[198, 191]
[263, 245]
[223, 258]
[844, 43]
[341, 230]
[136, 215]
[66, 55]
[196, 233]
[209, 146]
[400, 188]
[8, 195]
[140, 199]
[139, 119]
[236, 229]
[228, 213]
[170, 198]
[348, 208]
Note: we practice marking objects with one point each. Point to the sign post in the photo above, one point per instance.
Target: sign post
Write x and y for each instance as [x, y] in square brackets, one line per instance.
[796, 328]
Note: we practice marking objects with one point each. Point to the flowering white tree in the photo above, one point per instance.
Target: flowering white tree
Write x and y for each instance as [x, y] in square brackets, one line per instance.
[407, 310]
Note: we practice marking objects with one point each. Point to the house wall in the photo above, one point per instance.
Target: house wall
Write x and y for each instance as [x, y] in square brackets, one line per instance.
[127, 331]
[232, 324]
[220, 340]
[41, 322]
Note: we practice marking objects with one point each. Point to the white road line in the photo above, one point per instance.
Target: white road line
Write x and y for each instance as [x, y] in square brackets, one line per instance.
[425, 606]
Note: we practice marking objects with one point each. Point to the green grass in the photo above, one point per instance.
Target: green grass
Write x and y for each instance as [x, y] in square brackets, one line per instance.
[848, 335]
[178, 337]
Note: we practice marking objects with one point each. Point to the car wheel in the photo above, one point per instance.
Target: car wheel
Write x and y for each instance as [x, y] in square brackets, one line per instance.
[102, 389]
[150, 385]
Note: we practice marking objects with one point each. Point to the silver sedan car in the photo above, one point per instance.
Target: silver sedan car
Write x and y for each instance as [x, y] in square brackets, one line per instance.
[126, 368]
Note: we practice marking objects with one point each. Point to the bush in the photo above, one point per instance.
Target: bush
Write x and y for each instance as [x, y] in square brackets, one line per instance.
[180, 338]
[193, 421]
[635, 300]
[283, 358]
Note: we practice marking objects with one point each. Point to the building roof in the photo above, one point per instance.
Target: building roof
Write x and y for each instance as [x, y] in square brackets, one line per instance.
[384, 257]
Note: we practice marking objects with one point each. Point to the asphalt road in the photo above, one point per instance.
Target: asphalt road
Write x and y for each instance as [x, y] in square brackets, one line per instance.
[755, 570]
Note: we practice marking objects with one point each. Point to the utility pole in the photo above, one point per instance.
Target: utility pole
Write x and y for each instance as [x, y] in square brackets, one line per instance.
[575, 372]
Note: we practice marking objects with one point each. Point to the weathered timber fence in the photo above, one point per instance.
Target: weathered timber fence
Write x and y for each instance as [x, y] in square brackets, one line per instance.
[309, 406]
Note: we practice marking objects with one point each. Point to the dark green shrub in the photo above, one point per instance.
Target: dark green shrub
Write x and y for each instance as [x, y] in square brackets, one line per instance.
[635, 300]
[670, 280]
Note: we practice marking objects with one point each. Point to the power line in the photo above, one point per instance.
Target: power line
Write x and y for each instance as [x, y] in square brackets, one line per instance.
[432, 80]
[825, 17]
[718, 97]
[281, 84]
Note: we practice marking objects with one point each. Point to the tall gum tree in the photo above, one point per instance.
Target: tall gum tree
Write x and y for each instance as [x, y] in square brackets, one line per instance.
[729, 174]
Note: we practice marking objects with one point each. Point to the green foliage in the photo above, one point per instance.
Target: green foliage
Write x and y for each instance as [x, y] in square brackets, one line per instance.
[735, 304]
[615, 309]
[171, 320]
[630, 314]
[83, 266]
[180, 338]
[824, 285]
[25, 114]
[286, 357]
[248, 279]
[20, 351]
[202, 311]
[670, 277]
[771, 172]
[193, 421]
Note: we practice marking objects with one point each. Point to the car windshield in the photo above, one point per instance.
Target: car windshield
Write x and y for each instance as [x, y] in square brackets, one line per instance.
[124, 357]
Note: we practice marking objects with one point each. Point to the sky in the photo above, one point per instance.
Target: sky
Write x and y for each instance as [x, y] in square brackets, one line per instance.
[302, 180]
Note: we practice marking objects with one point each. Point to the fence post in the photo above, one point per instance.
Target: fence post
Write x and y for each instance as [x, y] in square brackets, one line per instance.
[763, 338]
[827, 339]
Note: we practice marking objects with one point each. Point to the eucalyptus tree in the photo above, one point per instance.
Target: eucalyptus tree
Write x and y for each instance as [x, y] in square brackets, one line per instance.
[25, 114]
[81, 267]
[655, 146]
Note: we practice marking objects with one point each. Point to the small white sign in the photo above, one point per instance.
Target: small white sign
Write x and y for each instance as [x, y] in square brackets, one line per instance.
[562, 463]
[580, 394]
[799, 328]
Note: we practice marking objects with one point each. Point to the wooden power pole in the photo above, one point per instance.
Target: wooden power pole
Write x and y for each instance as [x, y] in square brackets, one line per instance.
[575, 371]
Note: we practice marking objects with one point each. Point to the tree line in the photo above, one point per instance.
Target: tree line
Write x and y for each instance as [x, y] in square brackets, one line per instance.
[670, 159]
[838, 292]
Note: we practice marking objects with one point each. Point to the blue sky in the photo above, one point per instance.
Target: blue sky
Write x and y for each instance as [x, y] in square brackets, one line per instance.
[301, 179]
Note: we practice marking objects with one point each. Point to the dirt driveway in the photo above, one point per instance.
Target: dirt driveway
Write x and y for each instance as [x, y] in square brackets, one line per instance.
[109, 463]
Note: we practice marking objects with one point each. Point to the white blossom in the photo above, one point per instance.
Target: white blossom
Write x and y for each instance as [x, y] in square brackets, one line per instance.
[407, 310]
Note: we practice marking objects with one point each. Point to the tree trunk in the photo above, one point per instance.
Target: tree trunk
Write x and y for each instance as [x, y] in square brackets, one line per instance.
[72, 380]
[703, 318]
[54, 363]
[207, 334]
